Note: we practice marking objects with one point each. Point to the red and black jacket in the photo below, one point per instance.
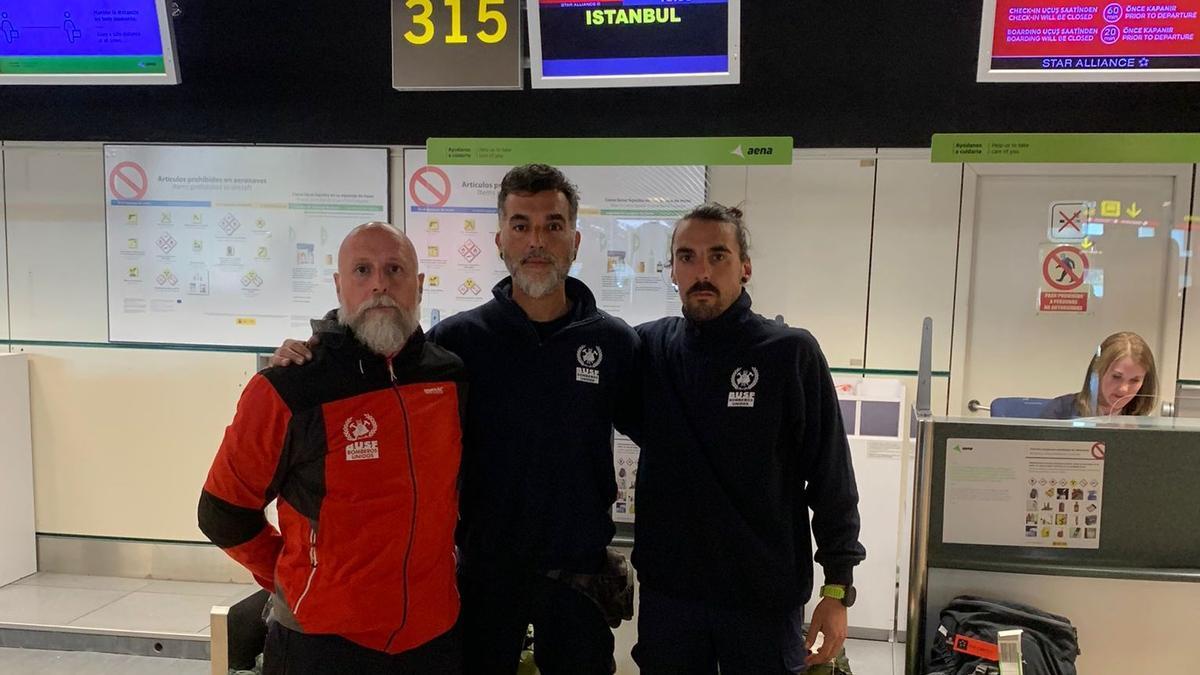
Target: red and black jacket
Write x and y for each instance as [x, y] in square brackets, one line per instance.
[363, 453]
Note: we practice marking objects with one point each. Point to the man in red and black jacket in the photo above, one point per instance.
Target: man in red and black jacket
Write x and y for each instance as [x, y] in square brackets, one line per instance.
[551, 376]
[362, 448]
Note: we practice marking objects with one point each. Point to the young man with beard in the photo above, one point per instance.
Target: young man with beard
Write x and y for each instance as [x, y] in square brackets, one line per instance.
[747, 438]
[550, 375]
[362, 448]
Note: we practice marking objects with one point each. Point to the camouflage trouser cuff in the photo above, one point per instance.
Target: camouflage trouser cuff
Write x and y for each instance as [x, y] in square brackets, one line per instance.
[838, 666]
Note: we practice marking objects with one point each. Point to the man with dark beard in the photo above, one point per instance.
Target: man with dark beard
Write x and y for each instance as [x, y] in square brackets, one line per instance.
[550, 375]
[362, 448]
[747, 437]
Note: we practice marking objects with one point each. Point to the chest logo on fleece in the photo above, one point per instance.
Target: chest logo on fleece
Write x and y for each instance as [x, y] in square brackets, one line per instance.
[589, 359]
[360, 431]
[742, 380]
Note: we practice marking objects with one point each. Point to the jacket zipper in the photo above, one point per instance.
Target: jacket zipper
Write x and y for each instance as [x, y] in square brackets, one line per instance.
[312, 560]
[412, 472]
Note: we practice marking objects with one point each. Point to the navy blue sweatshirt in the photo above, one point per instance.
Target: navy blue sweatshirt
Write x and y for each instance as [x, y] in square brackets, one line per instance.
[537, 477]
[743, 436]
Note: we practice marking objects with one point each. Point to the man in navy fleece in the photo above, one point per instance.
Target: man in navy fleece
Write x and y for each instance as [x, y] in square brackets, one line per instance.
[549, 375]
[747, 438]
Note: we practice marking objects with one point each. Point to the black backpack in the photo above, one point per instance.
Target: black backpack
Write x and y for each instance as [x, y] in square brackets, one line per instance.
[1049, 643]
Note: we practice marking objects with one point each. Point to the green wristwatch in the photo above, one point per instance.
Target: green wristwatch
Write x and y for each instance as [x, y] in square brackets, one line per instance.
[846, 594]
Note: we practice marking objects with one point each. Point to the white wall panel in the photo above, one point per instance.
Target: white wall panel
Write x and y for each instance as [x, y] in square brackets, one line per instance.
[810, 227]
[18, 550]
[57, 271]
[123, 438]
[915, 243]
[396, 186]
[1189, 348]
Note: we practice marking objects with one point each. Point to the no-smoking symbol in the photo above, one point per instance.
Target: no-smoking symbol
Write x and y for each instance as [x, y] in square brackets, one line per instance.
[128, 181]
[1065, 268]
[429, 186]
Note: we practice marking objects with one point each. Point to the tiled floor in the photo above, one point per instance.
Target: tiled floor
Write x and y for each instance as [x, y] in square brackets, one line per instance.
[866, 657]
[179, 607]
[116, 603]
[45, 662]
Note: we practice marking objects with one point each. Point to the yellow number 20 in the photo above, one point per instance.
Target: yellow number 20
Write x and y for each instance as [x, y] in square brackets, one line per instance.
[486, 15]
[421, 20]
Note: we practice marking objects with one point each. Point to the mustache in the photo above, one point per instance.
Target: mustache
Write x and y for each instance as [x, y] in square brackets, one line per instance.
[377, 301]
[538, 255]
[703, 286]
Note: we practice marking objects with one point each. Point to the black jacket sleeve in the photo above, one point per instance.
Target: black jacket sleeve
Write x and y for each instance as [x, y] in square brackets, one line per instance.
[830, 490]
[627, 412]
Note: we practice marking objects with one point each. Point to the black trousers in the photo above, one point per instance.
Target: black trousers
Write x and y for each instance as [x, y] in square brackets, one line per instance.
[570, 634]
[288, 652]
[687, 637]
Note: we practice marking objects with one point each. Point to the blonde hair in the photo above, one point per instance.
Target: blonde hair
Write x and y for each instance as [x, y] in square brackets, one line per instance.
[1115, 347]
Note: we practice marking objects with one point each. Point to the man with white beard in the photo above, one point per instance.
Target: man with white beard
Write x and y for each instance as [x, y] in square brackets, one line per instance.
[362, 448]
[550, 375]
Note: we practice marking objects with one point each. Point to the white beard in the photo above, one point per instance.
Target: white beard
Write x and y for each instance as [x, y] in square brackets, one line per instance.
[382, 332]
[538, 288]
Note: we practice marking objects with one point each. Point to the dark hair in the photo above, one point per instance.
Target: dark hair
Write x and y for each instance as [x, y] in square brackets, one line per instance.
[722, 214]
[534, 178]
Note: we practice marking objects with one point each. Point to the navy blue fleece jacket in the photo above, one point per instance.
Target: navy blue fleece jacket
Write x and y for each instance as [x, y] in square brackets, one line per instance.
[743, 435]
[537, 476]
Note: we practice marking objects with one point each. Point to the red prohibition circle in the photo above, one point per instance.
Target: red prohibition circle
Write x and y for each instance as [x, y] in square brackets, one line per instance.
[1076, 278]
[429, 186]
[128, 181]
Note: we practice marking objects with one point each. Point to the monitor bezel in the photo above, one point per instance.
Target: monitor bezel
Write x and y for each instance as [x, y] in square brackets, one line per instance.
[539, 81]
[985, 73]
[170, 74]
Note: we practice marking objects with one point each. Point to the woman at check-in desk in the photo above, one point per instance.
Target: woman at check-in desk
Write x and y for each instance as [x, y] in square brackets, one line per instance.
[1120, 380]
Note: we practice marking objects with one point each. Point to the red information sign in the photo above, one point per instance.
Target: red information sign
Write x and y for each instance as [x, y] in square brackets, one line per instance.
[1065, 271]
[1058, 35]
[1062, 301]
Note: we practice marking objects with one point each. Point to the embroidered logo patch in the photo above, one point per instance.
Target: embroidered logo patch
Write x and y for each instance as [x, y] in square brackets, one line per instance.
[589, 359]
[742, 380]
[359, 431]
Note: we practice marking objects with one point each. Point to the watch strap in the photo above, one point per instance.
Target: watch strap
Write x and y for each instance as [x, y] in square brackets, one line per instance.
[833, 591]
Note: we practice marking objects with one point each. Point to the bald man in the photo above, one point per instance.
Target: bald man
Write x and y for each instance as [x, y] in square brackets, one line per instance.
[362, 447]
